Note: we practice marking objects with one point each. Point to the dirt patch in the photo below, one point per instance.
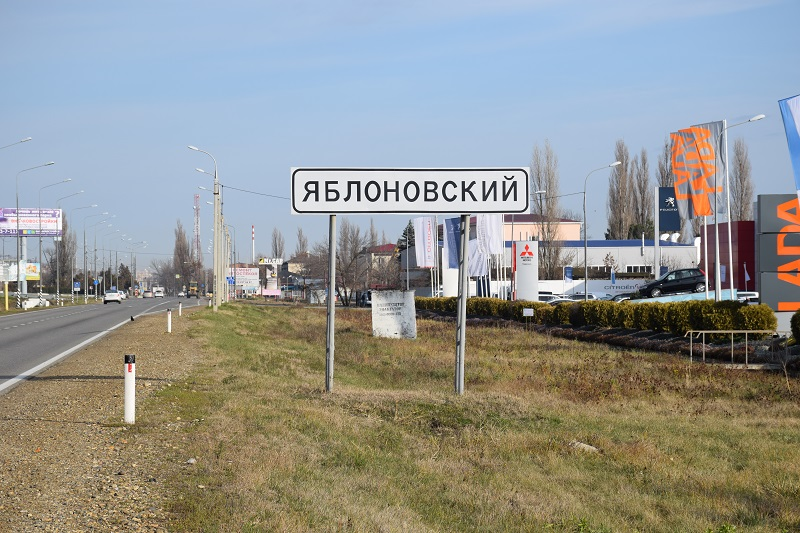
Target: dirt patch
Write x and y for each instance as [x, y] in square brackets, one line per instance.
[67, 460]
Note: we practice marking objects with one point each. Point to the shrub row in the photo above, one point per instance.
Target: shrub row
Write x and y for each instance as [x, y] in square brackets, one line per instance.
[673, 317]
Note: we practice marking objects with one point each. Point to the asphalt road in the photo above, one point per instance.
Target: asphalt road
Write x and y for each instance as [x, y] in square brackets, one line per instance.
[36, 339]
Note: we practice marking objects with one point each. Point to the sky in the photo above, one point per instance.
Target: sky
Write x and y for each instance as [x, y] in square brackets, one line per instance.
[114, 92]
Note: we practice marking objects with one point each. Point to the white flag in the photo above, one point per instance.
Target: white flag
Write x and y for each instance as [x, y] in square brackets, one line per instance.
[424, 241]
[478, 261]
[489, 232]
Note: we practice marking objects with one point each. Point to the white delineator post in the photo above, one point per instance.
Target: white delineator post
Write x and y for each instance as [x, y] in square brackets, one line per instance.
[130, 388]
[169, 320]
[180, 309]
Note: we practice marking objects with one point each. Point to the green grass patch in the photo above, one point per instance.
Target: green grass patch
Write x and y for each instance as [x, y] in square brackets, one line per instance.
[680, 447]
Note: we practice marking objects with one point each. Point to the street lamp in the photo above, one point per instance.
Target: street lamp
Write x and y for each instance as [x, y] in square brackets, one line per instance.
[22, 281]
[74, 256]
[217, 231]
[103, 244]
[233, 251]
[39, 216]
[26, 139]
[585, 232]
[717, 276]
[85, 274]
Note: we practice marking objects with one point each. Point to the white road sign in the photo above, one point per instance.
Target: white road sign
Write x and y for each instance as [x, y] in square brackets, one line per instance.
[410, 190]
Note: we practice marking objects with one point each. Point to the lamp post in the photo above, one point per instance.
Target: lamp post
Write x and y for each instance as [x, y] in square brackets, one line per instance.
[57, 245]
[233, 251]
[85, 273]
[217, 259]
[94, 254]
[21, 278]
[74, 256]
[585, 232]
[717, 273]
[26, 139]
[103, 244]
[39, 216]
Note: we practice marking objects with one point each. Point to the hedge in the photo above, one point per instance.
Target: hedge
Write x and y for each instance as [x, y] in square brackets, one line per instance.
[673, 317]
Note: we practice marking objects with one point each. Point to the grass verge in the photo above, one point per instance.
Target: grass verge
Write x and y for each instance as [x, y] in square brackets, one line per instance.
[674, 447]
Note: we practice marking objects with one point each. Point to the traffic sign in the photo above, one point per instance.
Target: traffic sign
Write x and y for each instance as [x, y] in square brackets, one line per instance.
[410, 190]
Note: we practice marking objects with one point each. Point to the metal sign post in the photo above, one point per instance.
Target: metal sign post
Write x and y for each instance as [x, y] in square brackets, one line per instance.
[463, 294]
[331, 304]
[335, 191]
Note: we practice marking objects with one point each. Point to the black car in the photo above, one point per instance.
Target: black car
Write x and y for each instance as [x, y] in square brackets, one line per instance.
[674, 281]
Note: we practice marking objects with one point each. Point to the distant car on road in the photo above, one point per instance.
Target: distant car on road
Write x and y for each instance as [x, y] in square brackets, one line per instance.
[675, 281]
[147, 294]
[112, 296]
[123, 295]
[181, 294]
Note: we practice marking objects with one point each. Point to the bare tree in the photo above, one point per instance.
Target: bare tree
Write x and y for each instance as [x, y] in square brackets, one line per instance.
[665, 177]
[620, 195]
[66, 247]
[373, 234]
[741, 183]
[351, 272]
[183, 262]
[302, 243]
[544, 177]
[278, 244]
[642, 206]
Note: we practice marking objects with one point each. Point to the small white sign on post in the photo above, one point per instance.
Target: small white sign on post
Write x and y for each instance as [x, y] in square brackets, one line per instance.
[394, 314]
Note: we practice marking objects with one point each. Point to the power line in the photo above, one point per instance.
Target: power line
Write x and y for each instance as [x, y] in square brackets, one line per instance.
[254, 192]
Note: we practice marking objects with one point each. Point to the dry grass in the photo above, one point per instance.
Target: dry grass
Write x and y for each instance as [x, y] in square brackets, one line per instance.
[392, 448]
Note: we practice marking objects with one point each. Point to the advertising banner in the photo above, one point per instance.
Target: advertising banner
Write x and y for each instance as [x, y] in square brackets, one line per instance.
[247, 278]
[451, 230]
[527, 270]
[489, 232]
[790, 111]
[424, 241]
[32, 221]
[697, 175]
[669, 218]
[32, 271]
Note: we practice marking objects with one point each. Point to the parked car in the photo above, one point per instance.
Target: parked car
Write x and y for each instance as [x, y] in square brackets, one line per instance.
[748, 297]
[112, 296]
[622, 297]
[556, 301]
[675, 281]
[582, 296]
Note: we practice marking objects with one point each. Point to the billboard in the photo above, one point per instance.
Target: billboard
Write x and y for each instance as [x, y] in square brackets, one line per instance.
[32, 221]
[247, 278]
[779, 251]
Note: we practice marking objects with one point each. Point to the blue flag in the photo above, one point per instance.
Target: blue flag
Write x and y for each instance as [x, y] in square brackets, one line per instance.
[790, 111]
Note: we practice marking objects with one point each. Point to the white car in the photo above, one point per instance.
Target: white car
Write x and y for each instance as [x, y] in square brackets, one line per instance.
[112, 296]
[123, 295]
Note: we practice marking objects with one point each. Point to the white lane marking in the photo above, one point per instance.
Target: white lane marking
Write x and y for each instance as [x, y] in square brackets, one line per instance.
[38, 368]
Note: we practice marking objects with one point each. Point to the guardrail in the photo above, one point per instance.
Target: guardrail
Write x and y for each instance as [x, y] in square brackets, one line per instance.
[692, 334]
